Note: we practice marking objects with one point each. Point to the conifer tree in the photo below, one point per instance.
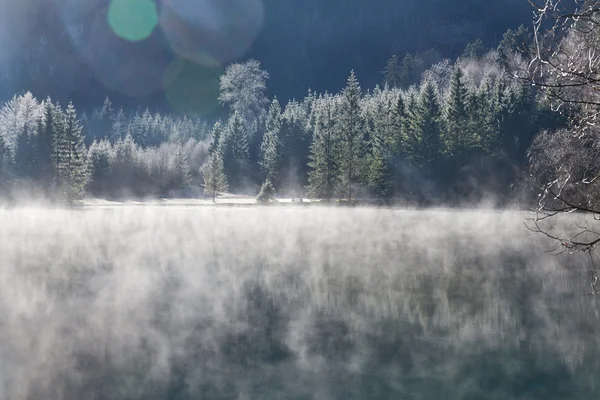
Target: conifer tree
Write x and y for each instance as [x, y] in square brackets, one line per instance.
[179, 175]
[72, 167]
[215, 133]
[392, 72]
[141, 129]
[294, 147]
[458, 135]
[100, 158]
[384, 145]
[119, 126]
[238, 136]
[408, 71]
[45, 145]
[351, 136]
[428, 128]
[213, 172]
[233, 147]
[481, 118]
[270, 147]
[398, 115]
[25, 157]
[323, 179]
[409, 128]
[267, 192]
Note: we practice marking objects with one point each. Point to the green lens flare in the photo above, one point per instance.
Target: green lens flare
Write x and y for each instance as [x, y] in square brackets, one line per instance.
[133, 20]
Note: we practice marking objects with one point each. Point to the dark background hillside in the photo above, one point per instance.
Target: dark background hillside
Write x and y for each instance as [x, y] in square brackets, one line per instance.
[64, 47]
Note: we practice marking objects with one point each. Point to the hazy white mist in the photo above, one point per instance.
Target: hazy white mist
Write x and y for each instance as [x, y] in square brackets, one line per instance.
[289, 303]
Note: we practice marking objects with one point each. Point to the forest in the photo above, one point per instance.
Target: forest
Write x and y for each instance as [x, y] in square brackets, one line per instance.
[433, 131]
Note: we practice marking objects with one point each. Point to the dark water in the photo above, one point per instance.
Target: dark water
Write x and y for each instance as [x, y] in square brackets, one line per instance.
[200, 303]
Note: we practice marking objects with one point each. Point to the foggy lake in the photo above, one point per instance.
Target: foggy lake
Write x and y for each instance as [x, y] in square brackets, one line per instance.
[290, 303]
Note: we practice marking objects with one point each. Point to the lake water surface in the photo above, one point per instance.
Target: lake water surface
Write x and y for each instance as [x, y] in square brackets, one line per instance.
[290, 303]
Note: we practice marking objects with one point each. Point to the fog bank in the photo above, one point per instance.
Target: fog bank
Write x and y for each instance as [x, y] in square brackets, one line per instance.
[289, 303]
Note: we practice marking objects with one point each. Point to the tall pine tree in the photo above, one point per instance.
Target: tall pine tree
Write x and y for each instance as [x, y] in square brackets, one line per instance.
[459, 138]
[215, 134]
[351, 136]
[270, 147]
[323, 179]
[428, 129]
[213, 172]
[385, 142]
[71, 162]
[234, 148]
[45, 146]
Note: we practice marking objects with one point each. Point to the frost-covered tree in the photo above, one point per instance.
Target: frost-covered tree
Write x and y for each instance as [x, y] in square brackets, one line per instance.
[270, 147]
[167, 169]
[100, 122]
[440, 73]
[323, 178]
[351, 136]
[294, 147]
[72, 165]
[385, 144]
[215, 137]
[267, 192]
[18, 117]
[118, 129]
[100, 155]
[141, 127]
[237, 136]
[213, 172]
[243, 89]
[126, 166]
[45, 150]
[233, 147]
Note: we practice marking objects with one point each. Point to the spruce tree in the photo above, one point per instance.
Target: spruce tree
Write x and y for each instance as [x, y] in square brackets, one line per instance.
[213, 173]
[238, 136]
[45, 146]
[351, 136]
[25, 157]
[71, 156]
[408, 71]
[119, 126]
[215, 134]
[458, 134]
[267, 192]
[323, 179]
[409, 128]
[179, 176]
[100, 157]
[428, 128]
[481, 118]
[233, 146]
[398, 115]
[392, 72]
[384, 145]
[270, 147]
[294, 147]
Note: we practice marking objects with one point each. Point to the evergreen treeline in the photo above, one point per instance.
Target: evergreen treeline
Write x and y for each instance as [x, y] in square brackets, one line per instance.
[47, 150]
[460, 133]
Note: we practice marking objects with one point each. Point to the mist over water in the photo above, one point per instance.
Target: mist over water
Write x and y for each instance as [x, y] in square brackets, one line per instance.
[290, 303]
